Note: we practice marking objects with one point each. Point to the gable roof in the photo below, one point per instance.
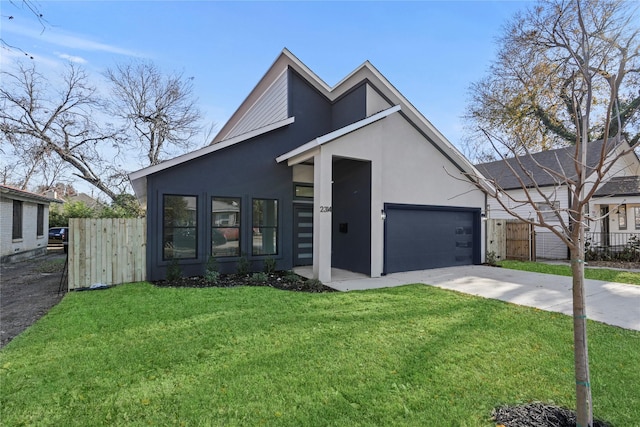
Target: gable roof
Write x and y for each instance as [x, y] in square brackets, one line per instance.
[16, 193]
[262, 111]
[337, 134]
[365, 72]
[560, 160]
[620, 186]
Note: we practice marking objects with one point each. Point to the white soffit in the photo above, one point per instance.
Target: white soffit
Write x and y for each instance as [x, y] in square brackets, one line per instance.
[337, 134]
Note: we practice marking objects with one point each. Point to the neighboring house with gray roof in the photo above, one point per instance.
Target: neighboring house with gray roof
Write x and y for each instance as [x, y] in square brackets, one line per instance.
[614, 209]
[24, 224]
[88, 200]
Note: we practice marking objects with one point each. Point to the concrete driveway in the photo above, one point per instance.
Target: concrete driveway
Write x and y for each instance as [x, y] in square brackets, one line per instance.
[611, 303]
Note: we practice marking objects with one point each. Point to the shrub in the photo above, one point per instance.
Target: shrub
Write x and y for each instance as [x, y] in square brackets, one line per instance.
[291, 276]
[211, 273]
[269, 265]
[315, 284]
[259, 277]
[174, 271]
[243, 265]
[492, 259]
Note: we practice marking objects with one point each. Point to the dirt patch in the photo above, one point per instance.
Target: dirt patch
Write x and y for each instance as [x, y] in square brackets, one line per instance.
[28, 290]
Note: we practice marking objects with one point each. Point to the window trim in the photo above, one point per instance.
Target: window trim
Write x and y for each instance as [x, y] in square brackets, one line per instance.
[622, 217]
[548, 210]
[276, 227]
[302, 184]
[17, 220]
[163, 226]
[40, 220]
[239, 227]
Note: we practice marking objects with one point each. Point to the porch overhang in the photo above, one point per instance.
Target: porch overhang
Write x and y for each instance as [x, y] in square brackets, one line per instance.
[310, 149]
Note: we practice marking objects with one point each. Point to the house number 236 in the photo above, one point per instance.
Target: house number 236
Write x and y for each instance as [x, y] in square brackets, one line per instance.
[325, 208]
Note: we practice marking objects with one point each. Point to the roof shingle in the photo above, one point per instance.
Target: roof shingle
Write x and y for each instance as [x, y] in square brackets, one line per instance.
[560, 160]
[620, 186]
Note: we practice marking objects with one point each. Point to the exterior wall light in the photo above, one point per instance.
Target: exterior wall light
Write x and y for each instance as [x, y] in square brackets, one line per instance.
[383, 215]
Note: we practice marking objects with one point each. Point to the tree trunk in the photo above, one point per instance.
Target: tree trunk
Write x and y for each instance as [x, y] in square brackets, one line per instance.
[581, 352]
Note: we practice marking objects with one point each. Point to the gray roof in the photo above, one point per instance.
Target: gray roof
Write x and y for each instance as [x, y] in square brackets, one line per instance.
[560, 160]
[12, 192]
[620, 186]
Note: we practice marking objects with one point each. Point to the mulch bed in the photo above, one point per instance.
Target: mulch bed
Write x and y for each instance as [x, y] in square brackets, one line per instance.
[538, 415]
[283, 280]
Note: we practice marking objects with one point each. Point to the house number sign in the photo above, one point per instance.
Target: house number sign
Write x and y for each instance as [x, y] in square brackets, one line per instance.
[325, 208]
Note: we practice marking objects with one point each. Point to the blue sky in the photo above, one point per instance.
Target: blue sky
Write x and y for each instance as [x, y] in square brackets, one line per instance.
[431, 51]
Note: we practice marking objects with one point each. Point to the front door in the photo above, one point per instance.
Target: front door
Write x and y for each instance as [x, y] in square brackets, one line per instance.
[302, 235]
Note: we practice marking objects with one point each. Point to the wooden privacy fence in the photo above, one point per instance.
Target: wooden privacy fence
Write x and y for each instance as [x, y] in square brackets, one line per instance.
[108, 251]
[511, 239]
[497, 238]
[521, 241]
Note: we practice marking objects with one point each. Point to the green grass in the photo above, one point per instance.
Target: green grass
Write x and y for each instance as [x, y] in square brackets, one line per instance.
[619, 276]
[250, 356]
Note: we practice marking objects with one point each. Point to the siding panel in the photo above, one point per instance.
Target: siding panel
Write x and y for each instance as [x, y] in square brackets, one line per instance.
[270, 108]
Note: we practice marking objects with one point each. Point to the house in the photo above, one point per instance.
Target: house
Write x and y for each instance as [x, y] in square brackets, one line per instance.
[611, 209]
[617, 204]
[346, 177]
[84, 198]
[24, 224]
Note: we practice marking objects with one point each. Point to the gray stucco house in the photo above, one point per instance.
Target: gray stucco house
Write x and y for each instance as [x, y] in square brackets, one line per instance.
[350, 177]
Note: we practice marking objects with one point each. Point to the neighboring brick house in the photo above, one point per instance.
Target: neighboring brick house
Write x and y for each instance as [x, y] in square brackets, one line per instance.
[24, 224]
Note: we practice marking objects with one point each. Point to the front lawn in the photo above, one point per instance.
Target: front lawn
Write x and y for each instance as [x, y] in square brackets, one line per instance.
[247, 356]
[619, 276]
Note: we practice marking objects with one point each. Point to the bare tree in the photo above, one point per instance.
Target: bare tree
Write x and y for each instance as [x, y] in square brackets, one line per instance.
[47, 126]
[160, 109]
[32, 8]
[527, 99]
[560, 75]
[26, 163]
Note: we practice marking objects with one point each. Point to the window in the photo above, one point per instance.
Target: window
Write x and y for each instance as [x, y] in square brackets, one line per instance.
[622, 217]
[636, 212]
[17, 220]
[548, 210]
[265, 227]
[303, 191]
[40, 224]
[225, 226]
[179, 227]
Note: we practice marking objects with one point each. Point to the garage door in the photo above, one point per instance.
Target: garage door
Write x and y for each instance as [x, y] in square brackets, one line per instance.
[423, 237]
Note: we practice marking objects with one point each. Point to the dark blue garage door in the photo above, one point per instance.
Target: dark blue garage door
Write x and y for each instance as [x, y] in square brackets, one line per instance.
[423, 237]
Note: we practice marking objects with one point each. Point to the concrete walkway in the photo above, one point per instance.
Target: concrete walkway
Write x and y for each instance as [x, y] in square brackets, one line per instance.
[611, 303]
